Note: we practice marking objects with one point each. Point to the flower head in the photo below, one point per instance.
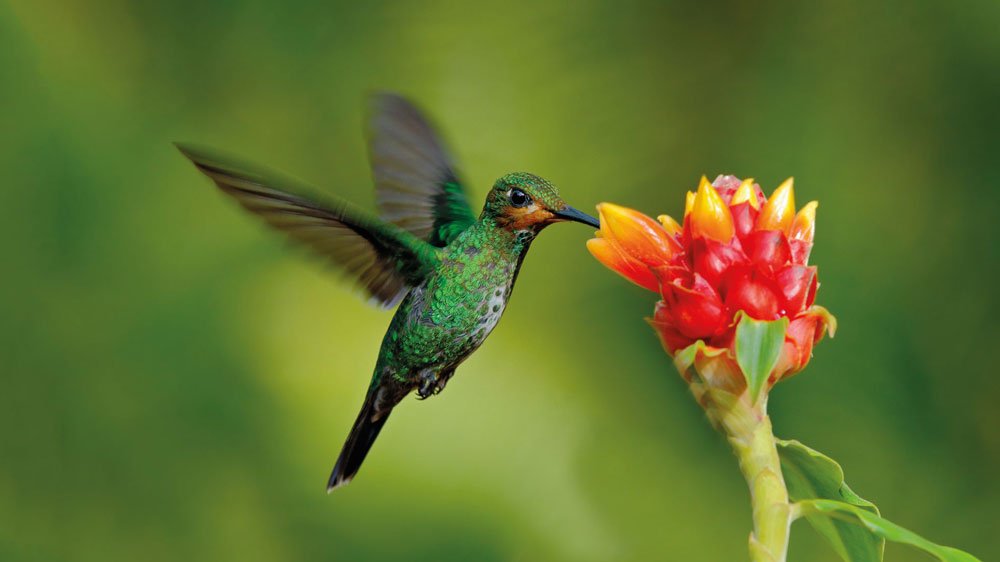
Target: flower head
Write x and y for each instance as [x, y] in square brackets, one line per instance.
[735, 251]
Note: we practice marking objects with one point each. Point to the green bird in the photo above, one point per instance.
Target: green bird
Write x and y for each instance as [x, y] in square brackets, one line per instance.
[450, 272]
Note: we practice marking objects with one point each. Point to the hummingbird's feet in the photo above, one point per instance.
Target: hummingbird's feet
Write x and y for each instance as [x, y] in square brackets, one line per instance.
[428, 386]
[432, 383]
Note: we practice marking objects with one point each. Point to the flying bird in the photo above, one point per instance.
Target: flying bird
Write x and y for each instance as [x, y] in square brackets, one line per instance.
[450, 273]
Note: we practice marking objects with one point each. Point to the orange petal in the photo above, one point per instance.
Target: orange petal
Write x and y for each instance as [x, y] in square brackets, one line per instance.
[745, 194]
[688, 203]
[615, 260]
[637, 235]
[804, 225]
[779, 210]
[710, 217]
[670, 225]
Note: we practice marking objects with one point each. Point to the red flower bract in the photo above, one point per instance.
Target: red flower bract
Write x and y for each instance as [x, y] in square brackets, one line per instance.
[736, 250]
[694, 307]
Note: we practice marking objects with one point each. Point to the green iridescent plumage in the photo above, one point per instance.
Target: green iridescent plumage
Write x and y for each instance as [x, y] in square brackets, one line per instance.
[452, 272]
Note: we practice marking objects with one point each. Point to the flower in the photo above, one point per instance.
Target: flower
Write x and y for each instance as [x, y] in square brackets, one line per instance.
[736, 250]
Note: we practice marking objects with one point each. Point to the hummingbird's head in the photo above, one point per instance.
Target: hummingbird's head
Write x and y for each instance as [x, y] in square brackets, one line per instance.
[523, 201]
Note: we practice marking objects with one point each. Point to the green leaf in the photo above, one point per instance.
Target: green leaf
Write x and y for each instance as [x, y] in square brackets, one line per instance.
[851, 523]
[758, 347]
[880, 527]
[811, 475]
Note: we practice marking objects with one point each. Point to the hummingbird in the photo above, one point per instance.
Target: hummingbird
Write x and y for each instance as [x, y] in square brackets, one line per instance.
[450, 273]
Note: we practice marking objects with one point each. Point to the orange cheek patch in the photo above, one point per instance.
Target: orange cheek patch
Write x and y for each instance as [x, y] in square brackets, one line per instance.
[520, 219]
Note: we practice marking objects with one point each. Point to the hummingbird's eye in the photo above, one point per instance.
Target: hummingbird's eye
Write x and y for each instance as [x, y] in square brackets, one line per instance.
[519, 198]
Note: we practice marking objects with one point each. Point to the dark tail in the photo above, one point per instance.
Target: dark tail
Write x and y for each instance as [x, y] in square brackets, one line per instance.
[361, 438]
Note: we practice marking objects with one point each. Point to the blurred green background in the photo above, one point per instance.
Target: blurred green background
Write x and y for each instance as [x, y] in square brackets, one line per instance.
[177, 382]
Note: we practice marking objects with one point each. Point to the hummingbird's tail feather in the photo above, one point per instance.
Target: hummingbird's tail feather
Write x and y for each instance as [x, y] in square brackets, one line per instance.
[359, 441]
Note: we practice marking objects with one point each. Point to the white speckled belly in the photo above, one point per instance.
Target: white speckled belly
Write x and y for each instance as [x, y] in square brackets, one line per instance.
[490, 312]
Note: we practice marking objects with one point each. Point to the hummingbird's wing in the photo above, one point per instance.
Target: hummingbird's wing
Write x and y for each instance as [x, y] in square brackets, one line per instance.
[385, 259]
[416, 185]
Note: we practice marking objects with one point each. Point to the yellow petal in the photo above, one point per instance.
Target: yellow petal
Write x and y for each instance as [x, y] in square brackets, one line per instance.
[804, 224]
[710, 217]
[745, 193]
[669, 224]
[688, 203]
[779, 210]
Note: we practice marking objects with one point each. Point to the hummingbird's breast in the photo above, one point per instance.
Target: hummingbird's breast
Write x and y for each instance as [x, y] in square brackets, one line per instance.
[450, 314]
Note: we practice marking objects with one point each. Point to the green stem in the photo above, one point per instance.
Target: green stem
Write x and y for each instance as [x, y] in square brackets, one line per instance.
[749, 432]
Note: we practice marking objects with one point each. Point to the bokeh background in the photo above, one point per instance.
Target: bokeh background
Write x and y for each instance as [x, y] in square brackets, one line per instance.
[177, 381]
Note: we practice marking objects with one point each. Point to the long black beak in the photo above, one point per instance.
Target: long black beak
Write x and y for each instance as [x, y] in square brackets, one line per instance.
[568, 213]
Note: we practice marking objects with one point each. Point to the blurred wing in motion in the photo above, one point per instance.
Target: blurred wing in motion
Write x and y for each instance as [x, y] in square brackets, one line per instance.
[386, 260]
[416, 185]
